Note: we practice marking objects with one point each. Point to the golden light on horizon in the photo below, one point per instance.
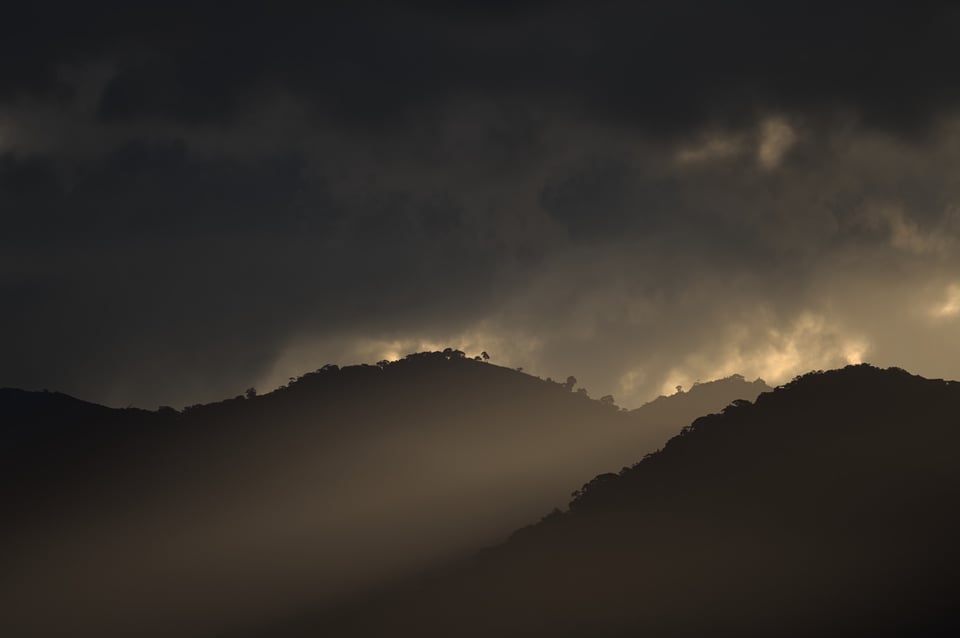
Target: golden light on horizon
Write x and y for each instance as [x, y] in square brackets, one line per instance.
[773, 354]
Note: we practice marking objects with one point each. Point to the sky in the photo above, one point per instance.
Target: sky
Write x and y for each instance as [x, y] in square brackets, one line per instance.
[196, 198]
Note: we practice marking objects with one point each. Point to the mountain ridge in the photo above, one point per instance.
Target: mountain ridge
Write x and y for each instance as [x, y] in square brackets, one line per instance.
[324, 487]
[804, 513]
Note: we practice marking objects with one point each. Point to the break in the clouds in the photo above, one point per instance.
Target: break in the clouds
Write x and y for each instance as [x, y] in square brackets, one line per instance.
[198, 198]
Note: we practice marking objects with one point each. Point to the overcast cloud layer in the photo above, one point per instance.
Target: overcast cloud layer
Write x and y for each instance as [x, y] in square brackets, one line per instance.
[196, 198]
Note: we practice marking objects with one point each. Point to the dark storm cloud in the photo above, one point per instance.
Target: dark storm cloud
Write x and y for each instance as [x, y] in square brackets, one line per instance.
[662, 66]
[152, 258]
[198, 196]
[139, 189]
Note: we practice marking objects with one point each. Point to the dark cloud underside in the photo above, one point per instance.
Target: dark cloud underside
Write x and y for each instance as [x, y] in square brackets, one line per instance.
[196, 197]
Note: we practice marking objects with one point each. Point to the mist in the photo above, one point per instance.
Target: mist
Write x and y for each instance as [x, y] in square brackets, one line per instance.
[233, 514]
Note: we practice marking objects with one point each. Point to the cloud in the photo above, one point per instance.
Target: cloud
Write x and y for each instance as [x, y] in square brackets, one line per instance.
[776, 138]
[773, 353]
[715, 147]
[665, 67]
[949, 306]
[615, 193]
[589, 253]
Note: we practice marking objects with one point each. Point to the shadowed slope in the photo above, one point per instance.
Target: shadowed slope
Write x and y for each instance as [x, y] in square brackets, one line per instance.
[198, 521]
[665, 415]
[827, 508]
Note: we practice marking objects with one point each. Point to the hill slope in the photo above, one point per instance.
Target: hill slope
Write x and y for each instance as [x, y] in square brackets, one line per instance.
[827, 508]
[162, 523]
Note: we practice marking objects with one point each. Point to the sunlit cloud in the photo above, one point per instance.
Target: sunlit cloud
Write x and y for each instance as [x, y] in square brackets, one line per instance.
[712, 148]
[906, 234]
[776, 139]
[949, 306]
[773, 354]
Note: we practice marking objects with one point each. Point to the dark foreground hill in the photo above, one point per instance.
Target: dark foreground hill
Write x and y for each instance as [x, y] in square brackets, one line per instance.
[193, 523]
[827, 508]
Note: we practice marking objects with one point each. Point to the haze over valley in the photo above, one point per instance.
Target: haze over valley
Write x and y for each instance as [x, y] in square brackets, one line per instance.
[479, 319]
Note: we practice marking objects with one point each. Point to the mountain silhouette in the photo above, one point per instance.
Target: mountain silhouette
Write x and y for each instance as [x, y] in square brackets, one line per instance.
[826, 508]
[665, 415]
[194, 522]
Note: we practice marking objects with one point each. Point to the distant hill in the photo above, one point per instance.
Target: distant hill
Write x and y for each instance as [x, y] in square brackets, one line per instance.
[827, 508]
[134, 522]
[665, 415]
